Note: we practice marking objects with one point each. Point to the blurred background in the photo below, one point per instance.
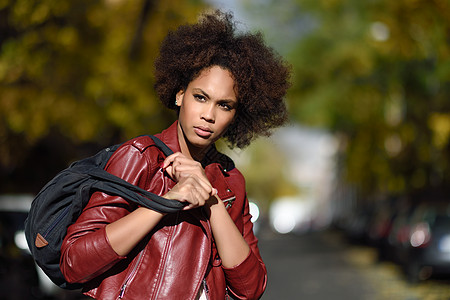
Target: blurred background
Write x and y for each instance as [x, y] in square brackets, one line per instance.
[351, 199]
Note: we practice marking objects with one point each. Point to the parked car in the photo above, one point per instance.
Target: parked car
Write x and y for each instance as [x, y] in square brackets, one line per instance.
[426, 248]
[20, 277]
[18, 274]
[380, 227]
[398, 237]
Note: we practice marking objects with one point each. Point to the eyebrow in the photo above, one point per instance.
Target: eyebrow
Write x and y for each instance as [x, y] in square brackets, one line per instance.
[199, 90]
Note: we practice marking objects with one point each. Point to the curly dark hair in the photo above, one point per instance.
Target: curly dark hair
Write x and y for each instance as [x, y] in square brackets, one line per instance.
[262, 77]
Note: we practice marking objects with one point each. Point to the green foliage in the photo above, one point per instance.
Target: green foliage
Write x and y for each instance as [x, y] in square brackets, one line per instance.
[83, 66]
[377, 74]
[82, 69]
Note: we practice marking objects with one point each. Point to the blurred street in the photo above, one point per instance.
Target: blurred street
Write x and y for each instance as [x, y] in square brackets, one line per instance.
[325, 266]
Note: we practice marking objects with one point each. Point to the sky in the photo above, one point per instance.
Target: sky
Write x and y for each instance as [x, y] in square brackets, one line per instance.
[281, 22]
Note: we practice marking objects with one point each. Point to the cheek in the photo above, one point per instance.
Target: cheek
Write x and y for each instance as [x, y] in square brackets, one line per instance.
[192, 107]
[187, 111]
[227, 121]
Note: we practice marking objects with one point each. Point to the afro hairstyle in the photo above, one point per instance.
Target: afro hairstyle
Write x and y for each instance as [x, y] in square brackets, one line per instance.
[261, 76]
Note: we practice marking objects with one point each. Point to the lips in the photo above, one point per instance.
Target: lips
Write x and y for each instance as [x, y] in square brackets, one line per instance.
[202, 131]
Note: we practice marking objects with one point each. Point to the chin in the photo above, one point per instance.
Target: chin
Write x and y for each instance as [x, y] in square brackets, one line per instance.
[201, 145]
[199, 142]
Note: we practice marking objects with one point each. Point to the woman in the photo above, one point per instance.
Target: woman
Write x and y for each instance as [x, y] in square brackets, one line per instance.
[222, 84]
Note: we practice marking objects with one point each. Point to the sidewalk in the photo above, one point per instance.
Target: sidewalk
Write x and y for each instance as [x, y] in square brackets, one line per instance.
[387, 278]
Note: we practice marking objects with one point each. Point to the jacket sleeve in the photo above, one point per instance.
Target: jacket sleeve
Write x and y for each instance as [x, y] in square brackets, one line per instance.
[248, 280]
[86, 251]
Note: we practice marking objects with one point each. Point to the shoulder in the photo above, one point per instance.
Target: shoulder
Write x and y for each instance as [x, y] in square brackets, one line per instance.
[140, 143]
[137, 153]
[144, 146]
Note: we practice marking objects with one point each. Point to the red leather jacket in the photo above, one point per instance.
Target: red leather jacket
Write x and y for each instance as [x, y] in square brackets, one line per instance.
[179, 256]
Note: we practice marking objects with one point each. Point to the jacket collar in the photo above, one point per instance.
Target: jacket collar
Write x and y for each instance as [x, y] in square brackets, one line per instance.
[170, 137]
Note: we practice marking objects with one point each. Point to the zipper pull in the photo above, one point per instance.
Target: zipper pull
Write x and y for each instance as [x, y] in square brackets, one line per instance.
[122, 291]
[205, 286]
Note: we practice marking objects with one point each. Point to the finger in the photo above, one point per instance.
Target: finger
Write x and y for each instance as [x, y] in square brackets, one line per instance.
[195, 202]
[169, 159]
[191, 192]
[203, 183]
[195, 191]
[169, 171]
[169, 163]
[188, 207]
[184, 169]
[180, 164]
[191, 199]
[187, 165]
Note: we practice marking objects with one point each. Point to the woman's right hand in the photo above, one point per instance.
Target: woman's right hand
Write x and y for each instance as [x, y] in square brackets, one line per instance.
[192, 185]
[192, 190]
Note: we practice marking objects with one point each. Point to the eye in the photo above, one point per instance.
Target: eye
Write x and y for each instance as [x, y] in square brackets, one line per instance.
[200, 97]
[226, 106]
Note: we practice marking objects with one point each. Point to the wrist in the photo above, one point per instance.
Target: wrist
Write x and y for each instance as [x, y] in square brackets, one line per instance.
[215, 203]
[152, 213]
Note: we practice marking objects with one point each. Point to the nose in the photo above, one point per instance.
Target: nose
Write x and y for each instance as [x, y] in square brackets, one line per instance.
[208, 114]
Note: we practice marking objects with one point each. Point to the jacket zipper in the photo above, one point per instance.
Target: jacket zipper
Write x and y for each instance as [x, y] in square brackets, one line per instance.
[168, 248]
[125, 284]
[203, 281]
[205, 288]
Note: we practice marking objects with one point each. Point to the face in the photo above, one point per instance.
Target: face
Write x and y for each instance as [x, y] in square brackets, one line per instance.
[207, 108]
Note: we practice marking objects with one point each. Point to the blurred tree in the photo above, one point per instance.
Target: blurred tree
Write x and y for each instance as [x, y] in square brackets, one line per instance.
[377, 73]
[262, 166]
[77, 73]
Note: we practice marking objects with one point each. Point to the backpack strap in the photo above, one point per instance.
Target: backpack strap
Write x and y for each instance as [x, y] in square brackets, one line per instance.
[163, 147]
[114, 185]
[109, 183]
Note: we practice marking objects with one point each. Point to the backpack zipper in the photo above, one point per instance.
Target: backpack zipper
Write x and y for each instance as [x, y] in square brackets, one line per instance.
[125, 284]
[61, 216]
[56, 221]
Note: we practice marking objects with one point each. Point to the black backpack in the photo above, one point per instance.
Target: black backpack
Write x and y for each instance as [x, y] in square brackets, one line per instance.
[61, 201]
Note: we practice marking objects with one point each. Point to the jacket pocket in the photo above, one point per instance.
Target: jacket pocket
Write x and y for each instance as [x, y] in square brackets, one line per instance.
[130, 275]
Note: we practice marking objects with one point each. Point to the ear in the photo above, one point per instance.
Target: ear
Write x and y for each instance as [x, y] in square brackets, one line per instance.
[179, 98]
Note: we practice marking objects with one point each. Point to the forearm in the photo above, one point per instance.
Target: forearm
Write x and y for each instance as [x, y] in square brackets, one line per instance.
[232, 247]
[125, 233]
